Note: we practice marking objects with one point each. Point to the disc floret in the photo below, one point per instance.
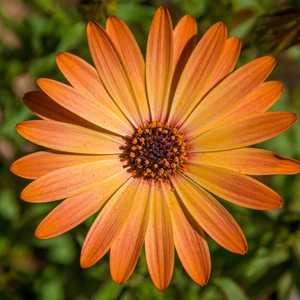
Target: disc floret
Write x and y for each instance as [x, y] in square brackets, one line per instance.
[156, 151]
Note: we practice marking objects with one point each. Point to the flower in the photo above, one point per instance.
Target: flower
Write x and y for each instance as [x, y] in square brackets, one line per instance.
[149, 142]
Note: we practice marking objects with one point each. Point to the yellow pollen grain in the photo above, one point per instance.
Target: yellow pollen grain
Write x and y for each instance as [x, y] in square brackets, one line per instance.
[156, 151]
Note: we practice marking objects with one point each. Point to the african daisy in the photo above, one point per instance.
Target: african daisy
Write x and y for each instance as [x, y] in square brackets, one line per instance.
[148, 144]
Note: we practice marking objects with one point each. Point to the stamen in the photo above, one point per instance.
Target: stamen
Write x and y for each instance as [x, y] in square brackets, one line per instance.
[156, 151]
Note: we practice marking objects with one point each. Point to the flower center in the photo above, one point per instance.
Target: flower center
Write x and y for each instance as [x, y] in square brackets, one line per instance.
[156, 151]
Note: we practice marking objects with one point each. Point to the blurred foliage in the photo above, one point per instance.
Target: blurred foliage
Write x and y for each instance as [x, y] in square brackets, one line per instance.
[32, 33]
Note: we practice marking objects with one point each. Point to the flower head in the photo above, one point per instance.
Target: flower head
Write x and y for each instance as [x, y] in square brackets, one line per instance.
[148, 143]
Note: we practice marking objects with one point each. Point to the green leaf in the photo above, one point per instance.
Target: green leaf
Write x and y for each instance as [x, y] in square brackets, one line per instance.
[230, 288]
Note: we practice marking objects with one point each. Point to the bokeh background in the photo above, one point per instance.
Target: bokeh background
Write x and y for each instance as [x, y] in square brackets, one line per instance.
[32, 32]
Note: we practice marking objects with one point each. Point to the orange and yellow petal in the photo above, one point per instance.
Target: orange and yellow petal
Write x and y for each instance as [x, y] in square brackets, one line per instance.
[233, 186]
[185, 36]
[159, 63]
[210, 215]
[85, 79]
[190, 242]
[126, 248]
[259, 100]
[249, 161]
[40, 163]
[47, 109]
[159, 240]
[113, 72]
[129, 50]
[84, 105]
[227, 61]
[77, 209]
[197, 73]
[109, 223]
[69, 138]
[243, 132]
[72, 180]
[227, 93]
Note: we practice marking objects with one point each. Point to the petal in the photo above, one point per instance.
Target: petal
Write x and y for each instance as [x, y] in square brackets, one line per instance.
[210, 215]
[85, 78]
[71, 181]
[233, 187]
[197, 74]
[159, 63]
[185, 36]
[46, 108]
[113, 72]
[243, 132]
[40, 163]
[126, 249]
[69, 138]
[133, 59]
[109, 223]
[228, 93]
[228, 60]
[249, 161]
[159, 244]
[190, 242]
[259, 100]
[84, 105]
[82, 76]
[77, 209]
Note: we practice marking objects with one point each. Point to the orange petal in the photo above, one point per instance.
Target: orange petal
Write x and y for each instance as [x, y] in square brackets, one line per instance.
[113, 72]
[185, 36]
[243, 132]
[126, 249]
[71, 181]
[228, 60]
[159, 63]
[259, 100]
[77, 209]
[69, 138]
[190, 242]
[133, 60]
[85, 78]
[109, 223]
[46, 108]
[197, 74]
[228, 93]
[82, 76]
[84, 105]
[159, 244]
[210, 214]
[40, 163]
[234, 187]
[249, 161]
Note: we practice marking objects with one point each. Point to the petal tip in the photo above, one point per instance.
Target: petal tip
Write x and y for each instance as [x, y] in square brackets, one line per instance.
[39, 234]
[242, 248]
[84, 263]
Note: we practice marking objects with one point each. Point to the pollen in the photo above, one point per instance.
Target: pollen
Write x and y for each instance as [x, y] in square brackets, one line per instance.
[156, 151]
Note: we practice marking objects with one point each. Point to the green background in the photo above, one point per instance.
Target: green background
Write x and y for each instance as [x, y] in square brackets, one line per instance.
[32, 32]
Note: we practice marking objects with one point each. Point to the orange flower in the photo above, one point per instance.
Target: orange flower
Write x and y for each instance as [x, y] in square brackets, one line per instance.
[145, 142]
